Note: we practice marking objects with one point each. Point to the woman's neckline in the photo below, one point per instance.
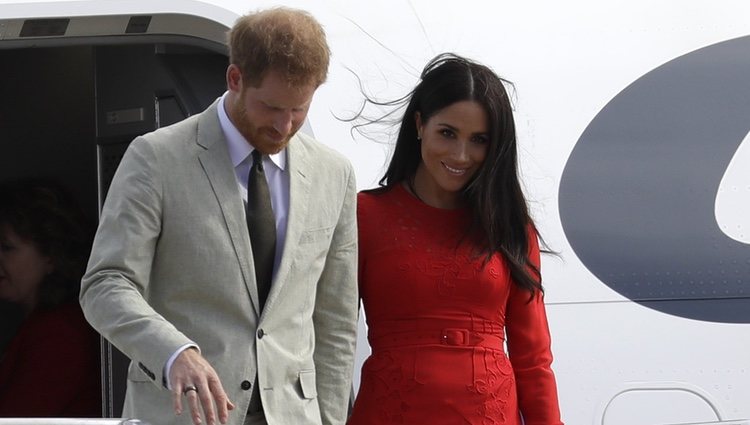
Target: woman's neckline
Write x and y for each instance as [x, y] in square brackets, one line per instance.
[412, 198]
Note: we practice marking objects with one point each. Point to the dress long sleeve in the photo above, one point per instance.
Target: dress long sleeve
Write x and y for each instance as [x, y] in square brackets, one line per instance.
[530, 353]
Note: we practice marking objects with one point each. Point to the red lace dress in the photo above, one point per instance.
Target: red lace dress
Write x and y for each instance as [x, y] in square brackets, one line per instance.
[438, 321]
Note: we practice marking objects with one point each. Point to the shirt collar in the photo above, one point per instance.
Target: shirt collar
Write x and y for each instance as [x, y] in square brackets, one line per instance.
[239, 148]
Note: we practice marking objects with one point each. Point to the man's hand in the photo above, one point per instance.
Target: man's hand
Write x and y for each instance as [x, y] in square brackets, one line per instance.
[191, 376]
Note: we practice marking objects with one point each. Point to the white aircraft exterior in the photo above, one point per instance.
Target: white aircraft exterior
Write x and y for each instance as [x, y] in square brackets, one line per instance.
[633, 120]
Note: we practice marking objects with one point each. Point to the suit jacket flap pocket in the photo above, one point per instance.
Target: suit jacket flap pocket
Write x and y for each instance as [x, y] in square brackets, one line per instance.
[307, 382]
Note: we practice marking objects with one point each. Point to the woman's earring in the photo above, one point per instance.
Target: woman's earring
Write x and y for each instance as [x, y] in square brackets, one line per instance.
[419, 139]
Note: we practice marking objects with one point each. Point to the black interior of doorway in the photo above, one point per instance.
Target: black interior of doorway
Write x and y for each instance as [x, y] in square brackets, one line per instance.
[69, 112]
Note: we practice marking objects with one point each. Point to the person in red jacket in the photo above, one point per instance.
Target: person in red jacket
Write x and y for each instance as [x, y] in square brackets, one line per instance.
[449, 266]
[50, 363]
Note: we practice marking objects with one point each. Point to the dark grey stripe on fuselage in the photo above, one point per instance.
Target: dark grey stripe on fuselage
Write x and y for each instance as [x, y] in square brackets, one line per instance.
[638, 191]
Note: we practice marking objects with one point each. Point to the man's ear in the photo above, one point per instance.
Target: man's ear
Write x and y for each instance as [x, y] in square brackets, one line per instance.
[234, 78]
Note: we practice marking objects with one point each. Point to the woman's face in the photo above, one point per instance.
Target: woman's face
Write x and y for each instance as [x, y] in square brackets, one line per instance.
[454, 145]
[22, 268]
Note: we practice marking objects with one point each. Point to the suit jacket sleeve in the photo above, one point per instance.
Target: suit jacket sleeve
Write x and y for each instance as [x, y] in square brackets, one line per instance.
[119, 268]
[335, 315]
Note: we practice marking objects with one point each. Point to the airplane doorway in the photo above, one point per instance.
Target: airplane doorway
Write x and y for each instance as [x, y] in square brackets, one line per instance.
[70, 110]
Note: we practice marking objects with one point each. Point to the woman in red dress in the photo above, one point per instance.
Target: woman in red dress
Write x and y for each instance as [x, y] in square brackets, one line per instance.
[449, 266]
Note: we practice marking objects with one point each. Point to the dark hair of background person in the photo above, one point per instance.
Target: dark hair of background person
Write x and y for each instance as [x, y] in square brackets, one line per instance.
[500, 214]
[43, 212]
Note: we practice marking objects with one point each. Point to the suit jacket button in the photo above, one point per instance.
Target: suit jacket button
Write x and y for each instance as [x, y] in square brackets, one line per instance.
[246, 385]
[260, 333]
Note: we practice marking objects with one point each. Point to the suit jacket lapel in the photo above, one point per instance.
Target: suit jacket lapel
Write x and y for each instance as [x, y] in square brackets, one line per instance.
[218, 167]
[298, 200]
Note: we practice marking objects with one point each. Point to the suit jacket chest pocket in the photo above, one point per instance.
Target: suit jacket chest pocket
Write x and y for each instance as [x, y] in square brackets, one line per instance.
[320, 235]
[312, 250]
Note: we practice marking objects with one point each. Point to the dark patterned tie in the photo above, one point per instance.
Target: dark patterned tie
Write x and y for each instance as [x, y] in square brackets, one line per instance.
[262, 227]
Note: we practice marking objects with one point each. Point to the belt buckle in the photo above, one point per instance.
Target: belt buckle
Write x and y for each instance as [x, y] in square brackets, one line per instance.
[454, 336]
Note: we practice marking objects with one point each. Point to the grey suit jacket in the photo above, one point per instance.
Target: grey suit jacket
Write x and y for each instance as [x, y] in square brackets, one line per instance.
[172, 264]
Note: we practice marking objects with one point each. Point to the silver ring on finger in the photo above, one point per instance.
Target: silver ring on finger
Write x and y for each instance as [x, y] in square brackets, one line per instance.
[189, 388]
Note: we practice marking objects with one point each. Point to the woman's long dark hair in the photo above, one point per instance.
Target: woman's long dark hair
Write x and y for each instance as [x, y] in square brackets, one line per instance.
[500, 215]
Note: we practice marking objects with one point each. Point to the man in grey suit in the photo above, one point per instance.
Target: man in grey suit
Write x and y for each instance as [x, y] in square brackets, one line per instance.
[225, 317]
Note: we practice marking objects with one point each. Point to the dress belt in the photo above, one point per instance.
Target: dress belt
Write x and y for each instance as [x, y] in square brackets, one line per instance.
[451, 332]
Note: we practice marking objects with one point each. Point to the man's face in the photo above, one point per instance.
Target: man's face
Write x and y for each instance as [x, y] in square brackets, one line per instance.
[270, 114]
